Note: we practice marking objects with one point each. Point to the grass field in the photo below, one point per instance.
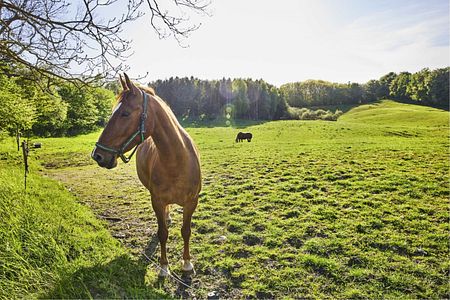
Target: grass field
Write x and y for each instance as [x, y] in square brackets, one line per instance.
[53, 247]
[309, 209]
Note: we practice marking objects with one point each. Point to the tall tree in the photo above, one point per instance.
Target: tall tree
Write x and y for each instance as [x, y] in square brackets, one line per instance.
[384, 83]
[439, 86]
[419, 86]
[371, 89]
[399, 85]
[240, 99]
[81, 110]
[51, 114]
[16, 113]
[356, 93]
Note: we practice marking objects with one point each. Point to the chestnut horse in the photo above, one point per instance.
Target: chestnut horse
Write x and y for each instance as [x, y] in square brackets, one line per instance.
[167, 159]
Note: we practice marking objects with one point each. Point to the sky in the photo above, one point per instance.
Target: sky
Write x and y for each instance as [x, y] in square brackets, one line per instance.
[295, 40]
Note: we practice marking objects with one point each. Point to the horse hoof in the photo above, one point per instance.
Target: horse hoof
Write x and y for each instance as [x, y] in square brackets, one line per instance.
[188, 267]
[164, 271]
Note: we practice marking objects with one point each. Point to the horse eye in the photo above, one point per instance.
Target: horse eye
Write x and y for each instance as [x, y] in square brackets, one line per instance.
[124, 114]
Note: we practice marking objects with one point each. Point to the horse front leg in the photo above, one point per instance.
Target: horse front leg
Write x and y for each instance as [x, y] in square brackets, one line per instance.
[168, 218]
[163, 233]
[188, 210]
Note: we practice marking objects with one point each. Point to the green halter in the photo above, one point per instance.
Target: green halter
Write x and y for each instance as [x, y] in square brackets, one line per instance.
[140, 131]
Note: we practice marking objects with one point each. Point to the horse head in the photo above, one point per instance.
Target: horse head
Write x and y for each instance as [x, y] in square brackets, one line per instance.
[127, 127]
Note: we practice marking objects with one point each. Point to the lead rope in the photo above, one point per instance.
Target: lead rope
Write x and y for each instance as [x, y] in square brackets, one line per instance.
[171, 274]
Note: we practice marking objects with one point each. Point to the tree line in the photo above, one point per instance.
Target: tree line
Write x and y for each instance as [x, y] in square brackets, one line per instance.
[425, 87]
[258, 100]
[210, 99]
[67, 109]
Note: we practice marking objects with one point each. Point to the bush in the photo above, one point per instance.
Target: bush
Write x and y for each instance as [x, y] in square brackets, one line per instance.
[309, 114]
[51, 114]
[321, 112]
[328, 117]
[338, 113]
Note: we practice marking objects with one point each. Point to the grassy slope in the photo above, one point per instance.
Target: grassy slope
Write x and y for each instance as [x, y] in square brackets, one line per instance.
[397, 114]
[53, 247]
[354, 208]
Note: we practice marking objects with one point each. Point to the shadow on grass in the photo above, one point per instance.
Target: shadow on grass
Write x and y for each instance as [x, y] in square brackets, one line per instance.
[441, 106]
[122, 277]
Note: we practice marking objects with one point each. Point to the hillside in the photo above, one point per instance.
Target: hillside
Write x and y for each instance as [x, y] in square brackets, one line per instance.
[391, 113]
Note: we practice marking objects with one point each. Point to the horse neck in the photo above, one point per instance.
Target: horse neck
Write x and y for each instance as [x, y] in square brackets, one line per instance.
[167, 134]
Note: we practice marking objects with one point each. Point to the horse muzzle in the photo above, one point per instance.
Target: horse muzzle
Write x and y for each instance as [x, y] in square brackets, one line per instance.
[107, 161]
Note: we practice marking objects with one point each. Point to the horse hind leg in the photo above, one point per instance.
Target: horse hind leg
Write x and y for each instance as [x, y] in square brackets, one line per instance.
[188, 210]
[163, 234]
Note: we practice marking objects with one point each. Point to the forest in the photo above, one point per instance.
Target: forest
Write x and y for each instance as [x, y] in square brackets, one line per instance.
[64, 109]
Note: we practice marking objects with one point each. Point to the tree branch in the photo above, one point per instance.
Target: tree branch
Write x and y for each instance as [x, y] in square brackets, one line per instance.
[51, 36]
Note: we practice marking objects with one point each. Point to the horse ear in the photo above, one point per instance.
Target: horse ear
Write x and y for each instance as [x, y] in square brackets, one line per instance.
[130, 85]
[122, 83]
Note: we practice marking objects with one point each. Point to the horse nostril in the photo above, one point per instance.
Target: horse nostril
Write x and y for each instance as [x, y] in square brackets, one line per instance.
[97, 157]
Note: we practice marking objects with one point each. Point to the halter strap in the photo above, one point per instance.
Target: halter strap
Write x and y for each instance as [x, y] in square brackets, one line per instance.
[140, 131]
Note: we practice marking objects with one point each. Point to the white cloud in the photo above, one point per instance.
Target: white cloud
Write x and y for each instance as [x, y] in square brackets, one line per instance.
[392, 43]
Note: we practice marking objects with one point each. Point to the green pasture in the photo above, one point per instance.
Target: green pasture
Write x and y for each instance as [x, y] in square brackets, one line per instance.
[356, 208]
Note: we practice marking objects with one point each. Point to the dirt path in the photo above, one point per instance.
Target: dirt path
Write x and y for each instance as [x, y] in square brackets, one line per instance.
[115, 196]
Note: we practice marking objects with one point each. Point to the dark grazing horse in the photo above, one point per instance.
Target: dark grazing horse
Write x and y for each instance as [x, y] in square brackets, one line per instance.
[244, 136]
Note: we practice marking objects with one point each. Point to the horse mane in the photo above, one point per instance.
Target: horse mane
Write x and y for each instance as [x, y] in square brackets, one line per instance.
[147, 89]
[123, 93]
[166, 108]
[163, 103]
